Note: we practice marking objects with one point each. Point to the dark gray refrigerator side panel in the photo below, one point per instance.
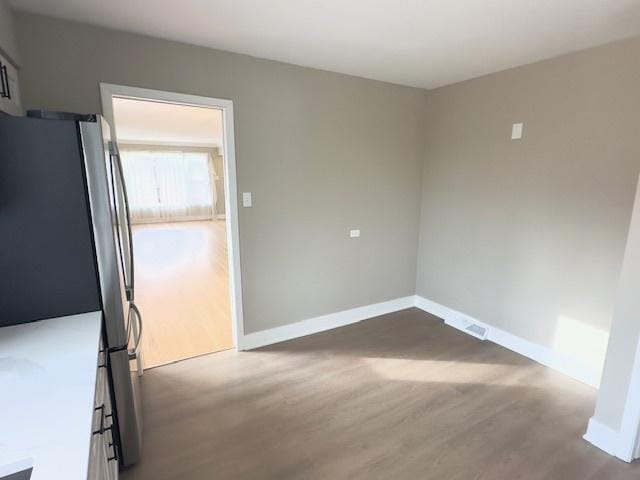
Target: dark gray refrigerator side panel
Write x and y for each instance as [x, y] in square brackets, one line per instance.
[47, 261]
[114, 302]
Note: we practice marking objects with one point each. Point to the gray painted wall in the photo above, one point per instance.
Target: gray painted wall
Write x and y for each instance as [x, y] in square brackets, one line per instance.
[8, 44]
[525, 235]
[529, 235]
[321, 152]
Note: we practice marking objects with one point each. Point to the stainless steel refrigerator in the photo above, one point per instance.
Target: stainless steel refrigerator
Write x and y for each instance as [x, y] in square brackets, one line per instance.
[66, 243]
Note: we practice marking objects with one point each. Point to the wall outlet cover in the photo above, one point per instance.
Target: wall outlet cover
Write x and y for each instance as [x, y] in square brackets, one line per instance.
[516, 131]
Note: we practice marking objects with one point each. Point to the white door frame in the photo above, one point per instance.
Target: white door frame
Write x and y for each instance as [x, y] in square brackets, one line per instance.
[629, 443]
[108, 91]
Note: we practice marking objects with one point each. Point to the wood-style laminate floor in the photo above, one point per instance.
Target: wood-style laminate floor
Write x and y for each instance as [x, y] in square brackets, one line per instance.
[397, 397]
[182, 290]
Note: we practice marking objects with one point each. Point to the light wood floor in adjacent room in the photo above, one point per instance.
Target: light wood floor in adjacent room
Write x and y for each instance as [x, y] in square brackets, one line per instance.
[182, 289]
[397, 397]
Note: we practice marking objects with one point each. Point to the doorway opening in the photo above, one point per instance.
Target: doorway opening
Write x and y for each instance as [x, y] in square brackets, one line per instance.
[178, 161]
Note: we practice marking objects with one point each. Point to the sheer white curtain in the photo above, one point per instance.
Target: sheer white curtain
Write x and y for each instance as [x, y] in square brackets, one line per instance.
[168, 185]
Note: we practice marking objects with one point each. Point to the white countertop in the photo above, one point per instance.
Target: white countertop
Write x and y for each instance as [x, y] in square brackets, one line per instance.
[47, 385]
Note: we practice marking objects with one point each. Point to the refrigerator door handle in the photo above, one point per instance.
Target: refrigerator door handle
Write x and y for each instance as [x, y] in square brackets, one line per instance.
[115, 154]
[4, 93]
[6, 82]
[135, 353]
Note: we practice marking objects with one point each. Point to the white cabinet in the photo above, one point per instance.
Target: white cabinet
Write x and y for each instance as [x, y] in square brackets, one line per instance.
[103, 457]
[9, 88]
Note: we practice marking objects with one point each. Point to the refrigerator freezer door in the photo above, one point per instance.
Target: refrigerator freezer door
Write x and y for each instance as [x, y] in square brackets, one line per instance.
[95, 138]
[126, 393]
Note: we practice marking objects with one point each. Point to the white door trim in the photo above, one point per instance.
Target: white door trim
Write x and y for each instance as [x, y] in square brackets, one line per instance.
[629, 443]
[108, 91]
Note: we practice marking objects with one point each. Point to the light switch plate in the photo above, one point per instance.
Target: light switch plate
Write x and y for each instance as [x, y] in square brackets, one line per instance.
[246, 199]
[516, 131]
[354, 233]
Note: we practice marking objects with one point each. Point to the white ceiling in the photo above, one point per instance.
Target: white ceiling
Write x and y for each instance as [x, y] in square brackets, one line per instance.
[425, 43]
[139, 121]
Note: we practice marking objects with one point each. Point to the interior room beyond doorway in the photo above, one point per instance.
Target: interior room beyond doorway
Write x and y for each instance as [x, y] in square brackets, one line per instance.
[173, 163]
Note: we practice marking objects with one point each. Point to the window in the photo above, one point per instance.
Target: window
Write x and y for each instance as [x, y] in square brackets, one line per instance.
[168, 185]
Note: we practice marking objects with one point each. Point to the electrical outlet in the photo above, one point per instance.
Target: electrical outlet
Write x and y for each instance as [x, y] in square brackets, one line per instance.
[516, 131]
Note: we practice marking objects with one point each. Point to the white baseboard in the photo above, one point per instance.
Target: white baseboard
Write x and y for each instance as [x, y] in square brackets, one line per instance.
[541, 354]
[322, 323]
[221, 216]
[607, 439]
